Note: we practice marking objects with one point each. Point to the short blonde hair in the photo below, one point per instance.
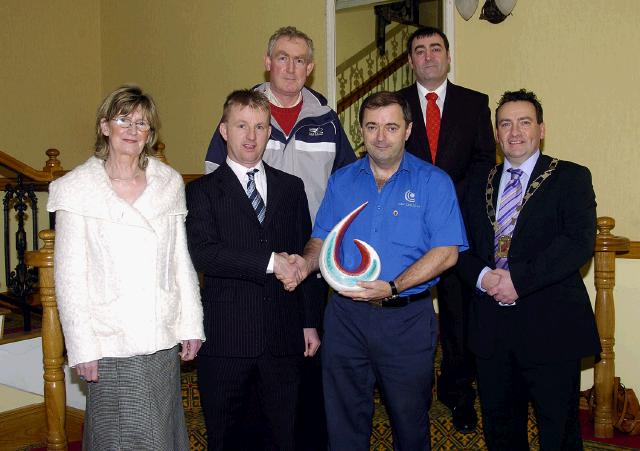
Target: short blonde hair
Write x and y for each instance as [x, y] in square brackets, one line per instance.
[243, 98]
[121, 102]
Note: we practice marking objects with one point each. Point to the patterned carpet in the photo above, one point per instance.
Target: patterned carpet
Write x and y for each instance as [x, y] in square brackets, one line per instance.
[443, 435]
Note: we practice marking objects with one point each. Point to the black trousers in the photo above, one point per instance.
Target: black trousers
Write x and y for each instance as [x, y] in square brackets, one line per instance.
[508, 380]
[227, 385]
[457, 367]
[311, 427]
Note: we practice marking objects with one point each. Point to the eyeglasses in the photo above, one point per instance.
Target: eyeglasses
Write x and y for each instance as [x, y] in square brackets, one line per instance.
[124, 122]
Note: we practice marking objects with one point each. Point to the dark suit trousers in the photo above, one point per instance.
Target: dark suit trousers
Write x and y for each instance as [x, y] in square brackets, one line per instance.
[227, 383]
[311, 433]
[508, 380]
[458, 371]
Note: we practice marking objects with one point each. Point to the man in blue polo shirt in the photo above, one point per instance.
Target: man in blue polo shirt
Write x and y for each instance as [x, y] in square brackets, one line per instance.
[387, 332]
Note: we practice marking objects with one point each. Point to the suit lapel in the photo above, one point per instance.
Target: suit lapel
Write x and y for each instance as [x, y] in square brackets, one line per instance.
[274, 193]
[230, 184]
[419, 126]
[496, 186]
[451, 107]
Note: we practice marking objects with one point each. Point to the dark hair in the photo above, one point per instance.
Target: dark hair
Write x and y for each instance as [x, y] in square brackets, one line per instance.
[426, 32]
[246, 97]
[382, 99]
[521, 96]
[123, 101]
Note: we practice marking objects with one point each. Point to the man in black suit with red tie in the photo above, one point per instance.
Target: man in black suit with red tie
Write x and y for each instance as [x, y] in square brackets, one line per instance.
[531, 224]
[457, 137]
[244, 219]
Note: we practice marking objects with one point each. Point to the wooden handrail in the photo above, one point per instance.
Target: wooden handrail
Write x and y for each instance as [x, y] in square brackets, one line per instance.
[633, 252]
[606, 248]
[48, 173]
[372, 82]
[53, 169]
[52, 344]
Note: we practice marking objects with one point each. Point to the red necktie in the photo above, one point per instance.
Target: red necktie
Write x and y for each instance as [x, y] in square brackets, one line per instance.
[433, 124]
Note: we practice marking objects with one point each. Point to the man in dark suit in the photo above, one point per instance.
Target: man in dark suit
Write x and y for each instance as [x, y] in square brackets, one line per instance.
[456, 136]
[531, 224]
[244, 219]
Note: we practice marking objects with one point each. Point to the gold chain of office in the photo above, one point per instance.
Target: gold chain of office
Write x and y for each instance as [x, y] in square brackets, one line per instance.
[533, 187]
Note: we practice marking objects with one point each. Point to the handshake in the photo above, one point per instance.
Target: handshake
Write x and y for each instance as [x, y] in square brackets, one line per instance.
[291, 270]
[498, 283]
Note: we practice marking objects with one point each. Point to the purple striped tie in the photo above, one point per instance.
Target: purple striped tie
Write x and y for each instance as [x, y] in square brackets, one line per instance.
[508, 212]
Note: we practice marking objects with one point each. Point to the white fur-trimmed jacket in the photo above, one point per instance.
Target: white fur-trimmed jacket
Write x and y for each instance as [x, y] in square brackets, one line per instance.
[125, 283]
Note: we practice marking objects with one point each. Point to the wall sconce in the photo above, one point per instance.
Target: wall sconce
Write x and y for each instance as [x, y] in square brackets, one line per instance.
[494, 11]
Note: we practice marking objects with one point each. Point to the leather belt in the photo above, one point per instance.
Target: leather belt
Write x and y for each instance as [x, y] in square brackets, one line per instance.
[400, 301]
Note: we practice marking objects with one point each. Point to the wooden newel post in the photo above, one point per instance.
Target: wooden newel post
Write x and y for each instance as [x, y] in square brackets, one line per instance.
[52, 344]
[607, 245]
[159, 148]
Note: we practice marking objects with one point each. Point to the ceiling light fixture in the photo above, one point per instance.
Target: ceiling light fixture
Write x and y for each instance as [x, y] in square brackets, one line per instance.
[494, 11]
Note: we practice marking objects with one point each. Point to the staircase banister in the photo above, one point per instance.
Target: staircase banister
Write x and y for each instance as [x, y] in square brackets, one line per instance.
[52, 168]
[372, 82]
[606, 248]
[52, 344]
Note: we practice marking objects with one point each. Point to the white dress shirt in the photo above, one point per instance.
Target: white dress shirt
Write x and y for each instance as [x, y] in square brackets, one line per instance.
[422, 95]
[260, 178]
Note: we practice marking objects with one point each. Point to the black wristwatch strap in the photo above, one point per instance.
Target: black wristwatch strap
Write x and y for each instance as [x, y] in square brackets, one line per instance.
[394, 289]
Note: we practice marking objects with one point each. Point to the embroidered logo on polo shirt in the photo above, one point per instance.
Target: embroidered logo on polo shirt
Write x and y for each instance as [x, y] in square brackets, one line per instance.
[316, 131]
[409, 200]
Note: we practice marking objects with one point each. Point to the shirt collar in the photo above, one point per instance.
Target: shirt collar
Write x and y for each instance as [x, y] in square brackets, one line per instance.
[241, 171]
[440, 90]
[274, 100]
[365, 166]
[527, 166]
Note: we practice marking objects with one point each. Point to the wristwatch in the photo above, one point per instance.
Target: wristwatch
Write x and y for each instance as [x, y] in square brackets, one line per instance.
[394, 290]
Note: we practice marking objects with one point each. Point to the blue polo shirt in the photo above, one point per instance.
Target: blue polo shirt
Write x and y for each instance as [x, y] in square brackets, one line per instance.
[416, 210]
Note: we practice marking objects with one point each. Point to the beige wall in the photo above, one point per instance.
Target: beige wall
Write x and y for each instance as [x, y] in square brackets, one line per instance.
[190, 55]
[49, 77]
[355, 29]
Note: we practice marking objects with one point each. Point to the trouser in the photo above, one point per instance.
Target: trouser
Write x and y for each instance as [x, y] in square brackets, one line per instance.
[457, 366]
[394, 347]
[226, 384]
[311, 428]
[508, 380]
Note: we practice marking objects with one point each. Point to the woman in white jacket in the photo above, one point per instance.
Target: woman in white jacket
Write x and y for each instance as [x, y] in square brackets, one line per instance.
[127, 292]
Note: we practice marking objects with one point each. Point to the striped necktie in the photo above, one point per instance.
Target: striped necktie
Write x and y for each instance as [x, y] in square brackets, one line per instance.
[254, 196]
[508, 213]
